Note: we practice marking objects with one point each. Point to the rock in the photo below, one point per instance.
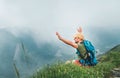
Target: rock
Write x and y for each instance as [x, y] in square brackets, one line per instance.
[68, 62]
[115, 73]
[117, 69]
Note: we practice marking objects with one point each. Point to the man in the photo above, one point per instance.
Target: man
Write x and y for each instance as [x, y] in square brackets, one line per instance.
[85, 49]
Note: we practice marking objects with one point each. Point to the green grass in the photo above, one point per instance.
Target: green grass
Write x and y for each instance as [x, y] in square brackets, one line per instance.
[74, 71]
[60, 70]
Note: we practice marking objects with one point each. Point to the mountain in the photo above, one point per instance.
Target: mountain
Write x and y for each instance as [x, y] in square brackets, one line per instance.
[7, 49]
[22, 54]
[115, 49]
[106, 68]
[112, 55]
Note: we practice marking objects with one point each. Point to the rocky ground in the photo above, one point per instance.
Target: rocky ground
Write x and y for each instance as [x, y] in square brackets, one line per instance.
[115, 73]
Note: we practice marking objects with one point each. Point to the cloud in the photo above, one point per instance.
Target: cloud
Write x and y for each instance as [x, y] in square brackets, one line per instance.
[35, 23]
[31, 56]
[42, 19]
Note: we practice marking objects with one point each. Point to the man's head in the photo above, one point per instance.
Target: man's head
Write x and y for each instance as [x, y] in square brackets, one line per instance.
[78, 37]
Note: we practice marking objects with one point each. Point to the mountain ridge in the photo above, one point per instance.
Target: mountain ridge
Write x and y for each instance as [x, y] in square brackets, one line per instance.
[116, 48]
[107, 63]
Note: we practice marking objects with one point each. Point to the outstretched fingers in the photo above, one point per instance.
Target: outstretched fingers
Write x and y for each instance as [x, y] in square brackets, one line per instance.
[58, 35]
[79, 29]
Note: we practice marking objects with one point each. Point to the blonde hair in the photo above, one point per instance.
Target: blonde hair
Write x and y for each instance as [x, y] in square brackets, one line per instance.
[79, 35]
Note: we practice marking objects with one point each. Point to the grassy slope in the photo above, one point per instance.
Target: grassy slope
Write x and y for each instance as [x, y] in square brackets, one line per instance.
[102, 70]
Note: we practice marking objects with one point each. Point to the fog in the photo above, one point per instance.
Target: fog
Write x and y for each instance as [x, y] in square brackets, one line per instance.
[33, 23]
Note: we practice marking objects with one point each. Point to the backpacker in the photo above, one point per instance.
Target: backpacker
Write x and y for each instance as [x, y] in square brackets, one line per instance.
[90, 51]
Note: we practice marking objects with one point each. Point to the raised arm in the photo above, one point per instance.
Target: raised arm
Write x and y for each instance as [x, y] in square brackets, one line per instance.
[79, 30]
[66, 41]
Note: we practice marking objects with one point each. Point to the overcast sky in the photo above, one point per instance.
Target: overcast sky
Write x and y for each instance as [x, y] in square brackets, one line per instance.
[36, 21]
[42, 18]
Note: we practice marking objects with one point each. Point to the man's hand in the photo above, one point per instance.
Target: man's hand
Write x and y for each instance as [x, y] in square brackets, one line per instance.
[66, 41]
[58, 35]
[79, 30]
